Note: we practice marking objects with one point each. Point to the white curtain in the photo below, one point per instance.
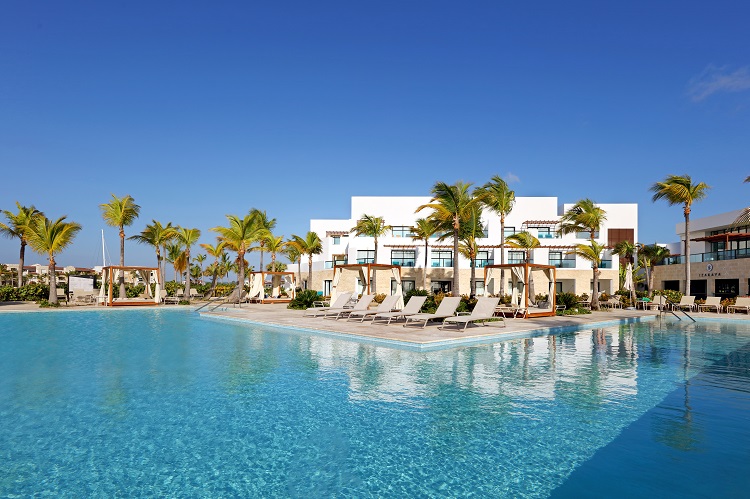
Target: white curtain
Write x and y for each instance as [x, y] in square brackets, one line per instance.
[489, 286]
[157, 289]
[518, 281]
[363, 279]
[334, 285]
[146, 277]
[102, 290]
[399, 289]
[256, 285]
[275, 285]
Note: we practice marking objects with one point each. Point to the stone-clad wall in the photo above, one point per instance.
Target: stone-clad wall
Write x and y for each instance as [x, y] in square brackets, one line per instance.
[710, 271]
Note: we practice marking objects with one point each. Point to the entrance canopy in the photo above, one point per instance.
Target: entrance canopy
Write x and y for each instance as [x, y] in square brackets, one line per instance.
[365, 272]
[527, 280]
[112, 275]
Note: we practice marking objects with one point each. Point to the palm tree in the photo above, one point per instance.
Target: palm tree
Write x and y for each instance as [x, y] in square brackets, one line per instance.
[48, 237]
[187, 238]
[468, 246]
[215, 251]
[524, 240]
[310, 245]
[120, 213]
[423, 231]
[585, 216]
[371, 226]
[200, 258]
[17, 227]
[156, 235]
[451, 206]
[649, 256]
[239, 236]
[176, 256]
[268, 224]
[677, 189]
[592, 252]
[744, 217]
[627, 250]
[498, 198]
[294, 255]
[275, 245]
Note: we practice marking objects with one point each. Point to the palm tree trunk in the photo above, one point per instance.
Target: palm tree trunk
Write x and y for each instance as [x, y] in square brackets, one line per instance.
[240, 274]
[456, 288]
[424, 274]
[309, 272]
[595, 292]
[687, 250]
[472, 284]
[261, 259]
[122, 263]
[20, 264]
[374, 260]
[187, 280]
[52, 280]
[299, 272]
[502, 255]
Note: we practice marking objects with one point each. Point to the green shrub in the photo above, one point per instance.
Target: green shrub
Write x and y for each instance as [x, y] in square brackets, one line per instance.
[304, 299]
[45, 304]
[379, 298]
[670, 294]
[570, 300]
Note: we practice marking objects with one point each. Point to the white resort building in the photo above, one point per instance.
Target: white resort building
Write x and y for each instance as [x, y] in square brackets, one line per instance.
[719, 263]
[538, 215]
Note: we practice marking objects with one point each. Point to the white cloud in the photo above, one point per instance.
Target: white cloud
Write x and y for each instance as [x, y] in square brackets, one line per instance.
[718, 79]
[512, 178]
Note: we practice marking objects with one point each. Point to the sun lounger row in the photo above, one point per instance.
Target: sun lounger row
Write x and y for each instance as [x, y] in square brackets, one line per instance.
[484, 311]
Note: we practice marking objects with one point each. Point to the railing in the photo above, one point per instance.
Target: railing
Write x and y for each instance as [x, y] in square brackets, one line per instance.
[330, 263]
[480, 263]
[563, 264]
[365, 260]
[546, 235]
[519, 260]
[442, 262]
[605, 264]
[403, 263]
[711, 256]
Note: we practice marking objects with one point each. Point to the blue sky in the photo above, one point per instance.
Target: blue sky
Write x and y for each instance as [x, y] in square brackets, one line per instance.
[200, 109]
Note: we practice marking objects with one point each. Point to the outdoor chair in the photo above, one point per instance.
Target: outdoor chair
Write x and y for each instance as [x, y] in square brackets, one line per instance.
[388, 304]
[484, 310]
[742, 303]
[447, 308]
[362, 305]
[686, 302]
[340, 301]
[712, 302]
[413, 307]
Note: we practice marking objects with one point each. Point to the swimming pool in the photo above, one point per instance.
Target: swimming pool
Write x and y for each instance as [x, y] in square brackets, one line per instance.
[161, 402]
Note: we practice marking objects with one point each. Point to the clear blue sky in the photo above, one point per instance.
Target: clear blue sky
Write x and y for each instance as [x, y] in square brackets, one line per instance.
[199, 109]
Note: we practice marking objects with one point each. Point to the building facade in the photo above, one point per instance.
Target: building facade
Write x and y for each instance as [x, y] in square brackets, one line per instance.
[719, 263]
[537, 215]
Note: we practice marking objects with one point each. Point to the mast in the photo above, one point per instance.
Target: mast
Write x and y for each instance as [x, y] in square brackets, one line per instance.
[104, 257]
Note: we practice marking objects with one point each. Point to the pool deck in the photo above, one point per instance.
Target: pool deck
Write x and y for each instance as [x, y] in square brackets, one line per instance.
[395, 335]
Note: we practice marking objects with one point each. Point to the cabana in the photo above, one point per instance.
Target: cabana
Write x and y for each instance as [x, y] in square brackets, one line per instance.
[278, 280]
[111, 276]
[365, 272]
[527, 279]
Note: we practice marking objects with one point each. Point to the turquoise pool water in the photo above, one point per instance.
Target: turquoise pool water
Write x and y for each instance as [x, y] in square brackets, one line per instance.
[164, 403]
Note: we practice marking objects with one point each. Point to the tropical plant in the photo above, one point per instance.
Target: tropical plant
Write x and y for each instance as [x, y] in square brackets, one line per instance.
[744, 216]
[293, 254]
[48, 237]
[500, 199]
[17, 227]
[120, 213]
[627, 250]
[199, 259]
[523, 240]
[176, 256]
[266, 225]
[423, 230]
[156, 235]
[451, 206]
[471, 231]
[371, 226]
[187, 238]
[676, 189]
[275, 245]
[239, 236]
[649, 255]
[214, 250]
[592, 252]
[310, 245]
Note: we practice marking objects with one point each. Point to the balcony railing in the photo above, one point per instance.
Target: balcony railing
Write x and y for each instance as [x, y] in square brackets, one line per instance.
[480, 263]
[519, 260]
[546, 235]
[402, 262]
[563, 264]
[711, 256]
[442, 262]
[365, 260]
[330, 263]
[605, 264]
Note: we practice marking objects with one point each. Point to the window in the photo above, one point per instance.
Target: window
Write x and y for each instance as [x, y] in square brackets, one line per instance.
[586, 235]
[336, 239]
[727, 288]
[327, 287]
[442, 258]
[440, 287]
[509, 231]
[672, 285]
[405, 258]
[365, 256]
[543, 232]
[406, 285]
[483, 259]
[516, 257]
[479, 286]
[485, 233]
[558, 287]
[561, 260]
[401, 231]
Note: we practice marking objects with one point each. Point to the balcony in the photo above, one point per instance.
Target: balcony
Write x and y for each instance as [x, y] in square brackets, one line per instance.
[481, 263]
[546, 235]
[563, 264]
[402, 262]
[712, 256]
[363, 261]
[441, 262]
[605, 264]
[330, 263]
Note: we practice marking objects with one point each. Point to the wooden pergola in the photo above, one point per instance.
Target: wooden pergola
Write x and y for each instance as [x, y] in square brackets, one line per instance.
[123, 301]
[263, 275]
[369, 267]
[523, 270]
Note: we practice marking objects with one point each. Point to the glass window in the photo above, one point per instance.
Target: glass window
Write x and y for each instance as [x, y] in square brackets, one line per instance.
[440, 286]
[365, 256]
[509, 231]
[483, 259]
[401, 231]
[327, 287]
[516, 257]
[406, 285]
[405, 258]
[336, 239]
[479, 285]
[586, 235]
[442, 258]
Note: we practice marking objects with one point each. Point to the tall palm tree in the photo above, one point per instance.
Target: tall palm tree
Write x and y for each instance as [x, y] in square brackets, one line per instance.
[649, 255]
[451, 206]
[214, 250]
[423, 230]
[309, 245]
[744, 217]
[17, 227]
[200, 258]
[176, 256]
[120, 213]
[627, 250]
[187, 238]
[471, 231]
[239, 236]
[524, 240]
[371, 226]
[294, 255]
[275, 245]
[585, 216]
[157, 235]
[592, 252]
[267, 224]
[498, 198]
[51, 237]
[676, 189]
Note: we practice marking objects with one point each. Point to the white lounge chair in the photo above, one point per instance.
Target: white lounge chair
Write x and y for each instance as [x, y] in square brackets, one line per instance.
[712, 302]
[686, 301]
[484, 310]
[447, 308]
[388, 304]
[362, 305]
[340, 301]
[742, 303]
[412, 308]
[613, 302]
[659, 303]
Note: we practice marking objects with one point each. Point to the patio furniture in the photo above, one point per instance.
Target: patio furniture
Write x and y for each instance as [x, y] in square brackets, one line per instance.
[712, 302]
[742, 303]
[340, 301]
[362, 305]
[388, 304]
[447, 308]
[484, 310]
[412, 308]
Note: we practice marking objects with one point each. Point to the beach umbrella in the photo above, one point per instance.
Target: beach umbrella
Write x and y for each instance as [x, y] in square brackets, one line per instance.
[629, 282]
